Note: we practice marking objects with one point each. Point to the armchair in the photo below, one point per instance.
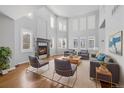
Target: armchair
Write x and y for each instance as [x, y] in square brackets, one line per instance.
[34, 62]
[65, 68]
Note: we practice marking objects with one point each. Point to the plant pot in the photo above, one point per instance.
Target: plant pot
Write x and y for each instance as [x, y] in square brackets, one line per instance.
[3, 72]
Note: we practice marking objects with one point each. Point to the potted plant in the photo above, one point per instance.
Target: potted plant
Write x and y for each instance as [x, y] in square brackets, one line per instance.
[5, 55]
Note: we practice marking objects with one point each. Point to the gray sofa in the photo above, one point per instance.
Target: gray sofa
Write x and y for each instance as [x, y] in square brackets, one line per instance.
[84, 54]
[112, 66]
[70, 52]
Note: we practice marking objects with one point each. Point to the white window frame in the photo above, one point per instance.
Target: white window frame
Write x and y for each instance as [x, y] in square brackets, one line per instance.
[83, 38]
[77, 43]
[61, 43]
[52, 22]
[26, 31]
[64, 47]
[52, 42]
[91, 38]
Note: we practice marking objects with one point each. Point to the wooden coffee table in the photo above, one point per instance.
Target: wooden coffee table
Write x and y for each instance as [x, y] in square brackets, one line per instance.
[74, 60]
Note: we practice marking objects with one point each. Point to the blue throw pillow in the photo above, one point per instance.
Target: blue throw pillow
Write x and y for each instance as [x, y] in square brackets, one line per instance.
[101, 57]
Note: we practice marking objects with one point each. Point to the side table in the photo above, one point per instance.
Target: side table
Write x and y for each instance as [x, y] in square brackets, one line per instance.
[100, 73]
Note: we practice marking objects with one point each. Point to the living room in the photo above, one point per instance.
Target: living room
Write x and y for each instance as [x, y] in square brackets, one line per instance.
[53, 32]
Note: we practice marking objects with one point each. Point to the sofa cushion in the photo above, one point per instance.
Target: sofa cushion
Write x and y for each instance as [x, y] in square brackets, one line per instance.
[108, 59]
[84, 51]
[101, 57]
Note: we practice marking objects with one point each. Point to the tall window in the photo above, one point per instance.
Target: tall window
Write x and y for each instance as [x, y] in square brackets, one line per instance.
[91, 42]
[52, 43]
[64, 27]
[62, 43]
[52, 22]
[91, 22]
[83, 24]
[60, 26]
[26, 41]
[75, 43]
[75, 25]
[59, 43]
[82, 43]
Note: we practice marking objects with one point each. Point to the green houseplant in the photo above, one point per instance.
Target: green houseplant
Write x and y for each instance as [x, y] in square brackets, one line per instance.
[5, 55]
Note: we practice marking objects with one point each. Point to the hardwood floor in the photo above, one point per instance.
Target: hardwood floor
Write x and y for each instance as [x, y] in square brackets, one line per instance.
[20, 78]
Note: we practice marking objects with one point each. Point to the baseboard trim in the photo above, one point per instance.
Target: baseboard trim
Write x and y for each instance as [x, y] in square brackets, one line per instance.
[24, 62]
[12, 68]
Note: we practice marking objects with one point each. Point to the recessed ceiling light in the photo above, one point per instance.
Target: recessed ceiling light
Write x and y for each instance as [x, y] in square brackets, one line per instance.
[29, 14]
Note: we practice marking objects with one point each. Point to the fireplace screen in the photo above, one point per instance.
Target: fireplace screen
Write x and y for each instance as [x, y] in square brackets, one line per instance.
[42, 50]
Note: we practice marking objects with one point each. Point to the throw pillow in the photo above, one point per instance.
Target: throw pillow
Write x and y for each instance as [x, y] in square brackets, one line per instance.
[101, 57]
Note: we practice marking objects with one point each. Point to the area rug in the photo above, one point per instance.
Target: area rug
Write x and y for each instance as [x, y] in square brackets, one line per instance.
[83, 79]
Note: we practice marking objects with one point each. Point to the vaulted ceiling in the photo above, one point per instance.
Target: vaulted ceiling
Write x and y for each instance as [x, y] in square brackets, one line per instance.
[72, 10]
[17, 11]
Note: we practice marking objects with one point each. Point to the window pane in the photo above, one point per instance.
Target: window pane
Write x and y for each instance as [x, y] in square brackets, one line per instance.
[83, 23]
[52, 43]
[91, 43]
[91, 22]
[26, 40]
[75, 25]
[60, 26]
[52, 22]
[64, 27]
[59, 43]
[64, 43]
[75, 43]
[83, 43]
[26, 46]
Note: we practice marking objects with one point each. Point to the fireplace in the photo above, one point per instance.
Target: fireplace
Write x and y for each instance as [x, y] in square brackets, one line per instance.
[43, 48]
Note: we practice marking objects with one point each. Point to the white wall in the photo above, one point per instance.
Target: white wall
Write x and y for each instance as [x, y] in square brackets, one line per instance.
[39, 25]
[61, 34]
[115, 23]
[75, 29]
[23, 23]
[43, 16]
[44, 30]
[7, 38]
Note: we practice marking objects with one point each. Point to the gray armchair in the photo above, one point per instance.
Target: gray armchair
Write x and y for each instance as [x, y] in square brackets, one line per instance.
[65, 68]
[34, 62]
